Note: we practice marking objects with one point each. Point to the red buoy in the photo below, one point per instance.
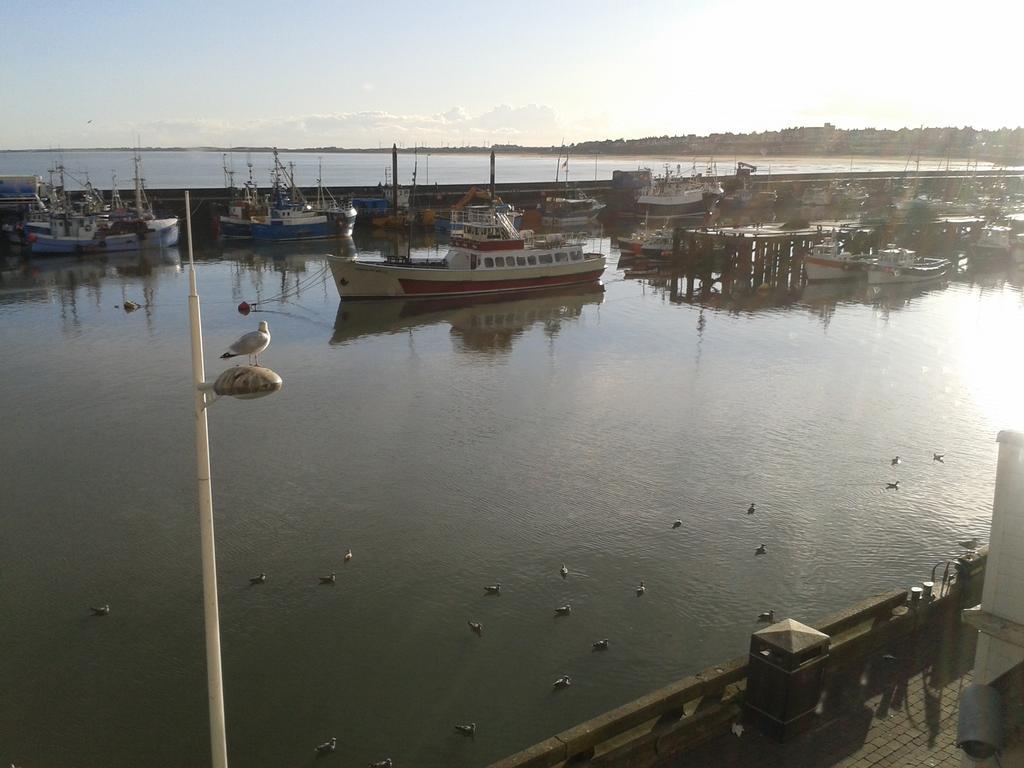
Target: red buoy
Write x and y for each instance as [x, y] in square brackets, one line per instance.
[244, 308]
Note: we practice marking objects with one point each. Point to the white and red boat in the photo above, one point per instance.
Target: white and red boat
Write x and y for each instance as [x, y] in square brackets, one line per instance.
[488, 255]
[827, 261]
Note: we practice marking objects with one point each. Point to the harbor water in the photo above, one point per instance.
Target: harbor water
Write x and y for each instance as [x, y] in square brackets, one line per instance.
[453, 446]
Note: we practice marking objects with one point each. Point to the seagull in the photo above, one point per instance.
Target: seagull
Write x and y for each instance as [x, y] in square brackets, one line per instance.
[130, 306]
[328, 579]
[600, 645]
[258, 578]
[893, 486]
[563, 570]
[641, 588]
[767, 616]
[494, 589]
[385, 763]
[565, 610]
[761, 550]
[469, 729]
[327, 747]
[477, 627]
[750, 509]
[250, 344]
[895, 461]
[562, 682]
[938, 457]
[677, 524]
[348, 555]
[100, 610]
[972, 543]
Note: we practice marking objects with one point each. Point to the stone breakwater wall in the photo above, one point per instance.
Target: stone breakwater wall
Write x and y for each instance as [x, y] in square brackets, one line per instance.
[665, 723]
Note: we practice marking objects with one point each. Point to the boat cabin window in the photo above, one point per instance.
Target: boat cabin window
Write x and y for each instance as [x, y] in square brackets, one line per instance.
[545, 258]
[531, 260]
[576, 255]
[499, 261]
[560, 257]
[521, 261]
[488, 261]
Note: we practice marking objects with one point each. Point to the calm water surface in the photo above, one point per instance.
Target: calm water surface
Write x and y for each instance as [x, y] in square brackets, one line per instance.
[449, 448]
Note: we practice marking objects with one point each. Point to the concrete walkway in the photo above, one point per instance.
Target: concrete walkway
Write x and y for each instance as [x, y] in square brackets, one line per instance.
[897, 709]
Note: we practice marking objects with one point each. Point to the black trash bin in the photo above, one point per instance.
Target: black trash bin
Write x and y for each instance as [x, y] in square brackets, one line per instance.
[785, 676]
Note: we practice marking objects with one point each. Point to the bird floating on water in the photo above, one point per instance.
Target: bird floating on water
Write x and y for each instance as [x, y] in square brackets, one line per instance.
[562, 682]
[129, 306]
[600, 645]
[641, 588]
[563, 570]
[895, 486]
[677, 524]
[477, 627]
[329, 579]
[896, 460]
[761, 550]
[259, 578]
[972, 543]
[469, 729]
[750, 509]
[494, 589]
[767, 616]
[385, 763]
[348, 555]
[100, 610]
[327, 747]
[250, 344]
[564, 610]
[938, 457]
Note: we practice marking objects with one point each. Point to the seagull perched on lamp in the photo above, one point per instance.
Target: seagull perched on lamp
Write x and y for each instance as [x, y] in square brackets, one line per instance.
[250, 344]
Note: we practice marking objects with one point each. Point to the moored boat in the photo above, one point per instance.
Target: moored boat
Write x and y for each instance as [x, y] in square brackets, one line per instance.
[902, 265]
[828, 261]
[994, 242]
[560, 212]
[672, 197]
[488, 255]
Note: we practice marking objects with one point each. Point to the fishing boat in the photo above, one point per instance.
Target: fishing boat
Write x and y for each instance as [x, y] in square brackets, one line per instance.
[289, 216]
[902, 265]
[672, 196]
[994, 242]
[562, 212]
[828, 261]
[488, 255]
[91, 226]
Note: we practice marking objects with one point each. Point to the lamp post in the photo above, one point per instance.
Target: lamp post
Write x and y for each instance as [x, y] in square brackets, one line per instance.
[428, 169]
[243, 382]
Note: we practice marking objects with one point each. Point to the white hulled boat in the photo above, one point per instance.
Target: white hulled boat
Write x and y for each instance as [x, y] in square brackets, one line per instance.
[901, 265]
[671, 197]
[570, 211]
[995, 242]
[488, 255]
[827, 261]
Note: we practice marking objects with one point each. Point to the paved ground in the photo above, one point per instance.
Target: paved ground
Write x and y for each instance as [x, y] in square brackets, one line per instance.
[898, 711]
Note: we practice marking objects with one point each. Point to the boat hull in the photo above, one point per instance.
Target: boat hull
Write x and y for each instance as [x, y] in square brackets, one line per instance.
[280, 231]
[367, 280]
[885, 275]
[819, 269]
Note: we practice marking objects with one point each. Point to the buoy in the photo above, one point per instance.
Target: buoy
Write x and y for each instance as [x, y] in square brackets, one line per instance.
[244, 308]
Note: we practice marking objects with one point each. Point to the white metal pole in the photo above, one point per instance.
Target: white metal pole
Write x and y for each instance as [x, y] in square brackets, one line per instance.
[214, 682]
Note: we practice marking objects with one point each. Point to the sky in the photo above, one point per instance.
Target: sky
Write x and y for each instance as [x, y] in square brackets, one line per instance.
[357, 74]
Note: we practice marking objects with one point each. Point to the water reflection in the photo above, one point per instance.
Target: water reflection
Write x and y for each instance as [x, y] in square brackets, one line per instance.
[18, 276]
[484, 324]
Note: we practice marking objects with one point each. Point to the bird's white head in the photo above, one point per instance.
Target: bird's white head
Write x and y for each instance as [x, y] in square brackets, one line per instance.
[264, 327]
